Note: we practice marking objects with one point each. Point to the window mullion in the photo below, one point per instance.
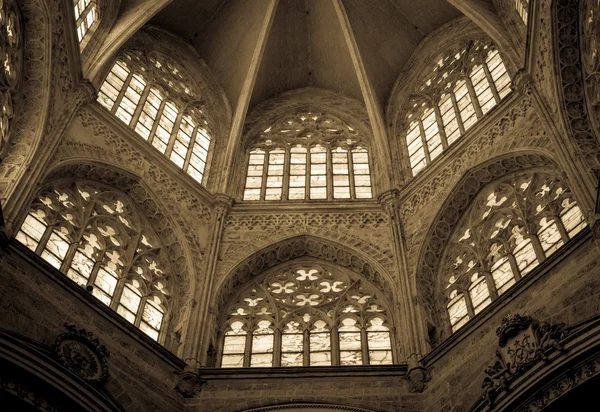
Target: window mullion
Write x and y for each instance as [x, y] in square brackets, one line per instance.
[44, 240]
[174, 133]
[159, 114]
[329, 173]
[491, 285]
[122, 92]
[248, 349]
[351, 175]
[514, 266]
[561, 229]
[461, 126]
[94, 272]
[424, 142]
[286, 174]
[469, 303]
[537, 247]
[490, 80]
[140, 311]
[307, 175]
[306, 347]
[277, 348]
[116, 297]
[363, 346]
[474, 98]
[263, 186]
[66, 263]
[140, 106]
[188, 154]
[335, 346]
[440, 124]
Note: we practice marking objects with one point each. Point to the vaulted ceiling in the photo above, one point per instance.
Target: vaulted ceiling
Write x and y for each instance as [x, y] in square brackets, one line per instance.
[304, 43]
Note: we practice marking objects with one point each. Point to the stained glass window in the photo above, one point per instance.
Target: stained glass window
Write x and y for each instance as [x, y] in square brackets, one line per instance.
[510, 227]
[465, 85]
[86, 18]
[311, 156]
[292, 315]
[145, 106]
[86, 232]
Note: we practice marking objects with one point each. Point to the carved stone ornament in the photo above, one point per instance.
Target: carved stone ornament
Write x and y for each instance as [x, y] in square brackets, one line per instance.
[188, 384]
[80, 352]
[522, 342]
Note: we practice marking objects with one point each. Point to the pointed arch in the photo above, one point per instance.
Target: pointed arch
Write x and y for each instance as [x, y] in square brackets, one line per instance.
[298, 247]
[460, 199]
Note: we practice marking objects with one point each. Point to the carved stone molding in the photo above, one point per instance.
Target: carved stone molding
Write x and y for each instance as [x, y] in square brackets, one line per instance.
[80, 352]
[572, 85]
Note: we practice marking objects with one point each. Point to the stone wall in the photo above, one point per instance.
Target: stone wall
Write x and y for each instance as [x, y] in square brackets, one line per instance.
[36, 303]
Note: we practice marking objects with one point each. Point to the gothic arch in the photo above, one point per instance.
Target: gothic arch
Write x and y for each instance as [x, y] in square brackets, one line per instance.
[297, 247]
[179, 249]
[450, 214]
[32, 106]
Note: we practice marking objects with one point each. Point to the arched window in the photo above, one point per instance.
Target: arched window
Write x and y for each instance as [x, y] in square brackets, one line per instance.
[308, 156]
[306, 315]
[97, 238]
[150, 96]
[510, 228]
[465, 85]
[522, 7]
[86, 19]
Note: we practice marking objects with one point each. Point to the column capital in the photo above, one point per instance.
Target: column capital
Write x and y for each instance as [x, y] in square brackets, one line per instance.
[390, 201]
[222, 204]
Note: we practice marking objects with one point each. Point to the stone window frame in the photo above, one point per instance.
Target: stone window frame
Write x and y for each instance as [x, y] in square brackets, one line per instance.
[436, 111]
[280, 314]
[312, 134]
[136, 75]
[59, 227]
[463, 281]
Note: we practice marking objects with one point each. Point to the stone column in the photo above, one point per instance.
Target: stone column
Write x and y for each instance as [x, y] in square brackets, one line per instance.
[412, 330]
[202, 318]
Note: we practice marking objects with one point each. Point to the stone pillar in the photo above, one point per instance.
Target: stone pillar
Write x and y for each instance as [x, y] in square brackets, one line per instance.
[412, 332]
[202, 318]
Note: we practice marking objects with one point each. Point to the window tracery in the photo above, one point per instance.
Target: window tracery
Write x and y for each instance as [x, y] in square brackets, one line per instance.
[97, 238]
[150, 95]
[86, 19]
[511, 227]
[308, 156]
[12, 59]
[466, 83]
[306, 315]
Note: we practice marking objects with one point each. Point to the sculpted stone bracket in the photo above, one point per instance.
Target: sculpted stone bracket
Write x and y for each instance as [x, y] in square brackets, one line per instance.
[80, 352]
